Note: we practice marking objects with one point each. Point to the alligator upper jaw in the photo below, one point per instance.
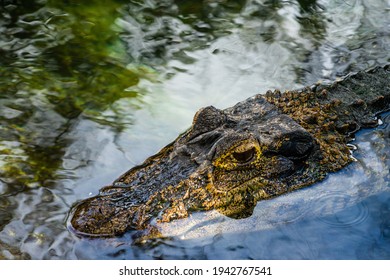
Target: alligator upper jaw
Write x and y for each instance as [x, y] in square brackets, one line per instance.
[104, 215]
[74, 225]
[80, 223]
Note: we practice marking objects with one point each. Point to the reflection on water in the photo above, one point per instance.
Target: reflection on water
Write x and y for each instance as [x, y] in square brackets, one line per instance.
[88, 91]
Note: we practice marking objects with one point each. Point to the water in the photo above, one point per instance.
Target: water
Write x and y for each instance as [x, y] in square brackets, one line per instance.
[88, 91]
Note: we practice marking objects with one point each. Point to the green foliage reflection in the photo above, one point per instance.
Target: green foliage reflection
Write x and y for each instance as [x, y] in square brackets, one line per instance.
[61, 60]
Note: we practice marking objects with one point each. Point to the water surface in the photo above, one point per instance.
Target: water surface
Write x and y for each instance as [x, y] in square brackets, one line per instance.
[87, 91]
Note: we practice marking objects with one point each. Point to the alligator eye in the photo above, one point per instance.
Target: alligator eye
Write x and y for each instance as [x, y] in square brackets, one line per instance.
[244, 157]
[240, 156]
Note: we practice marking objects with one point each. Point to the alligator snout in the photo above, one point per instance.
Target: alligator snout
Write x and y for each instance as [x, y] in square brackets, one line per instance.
[112, 212]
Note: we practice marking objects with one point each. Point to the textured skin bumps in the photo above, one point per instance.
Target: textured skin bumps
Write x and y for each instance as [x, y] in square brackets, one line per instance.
[230, 159]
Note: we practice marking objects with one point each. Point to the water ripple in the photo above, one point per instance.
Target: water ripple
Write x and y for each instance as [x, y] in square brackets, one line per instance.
[339, 210]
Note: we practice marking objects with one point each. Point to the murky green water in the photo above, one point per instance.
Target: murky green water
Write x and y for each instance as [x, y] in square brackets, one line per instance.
[88, 89]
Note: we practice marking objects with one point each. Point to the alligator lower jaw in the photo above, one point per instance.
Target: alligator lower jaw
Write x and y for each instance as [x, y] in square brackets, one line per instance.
[260, 188]
[253, 186]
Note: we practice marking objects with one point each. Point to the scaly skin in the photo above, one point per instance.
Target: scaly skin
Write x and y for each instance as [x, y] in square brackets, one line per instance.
[230, 159]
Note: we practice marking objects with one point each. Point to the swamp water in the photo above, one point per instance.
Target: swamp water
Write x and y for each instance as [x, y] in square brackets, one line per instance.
[89, 90]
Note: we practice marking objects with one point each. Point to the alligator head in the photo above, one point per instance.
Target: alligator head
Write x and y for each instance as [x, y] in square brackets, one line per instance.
[228, 160]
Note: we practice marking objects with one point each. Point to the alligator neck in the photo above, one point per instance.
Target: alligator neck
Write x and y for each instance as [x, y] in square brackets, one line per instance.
[334, 112]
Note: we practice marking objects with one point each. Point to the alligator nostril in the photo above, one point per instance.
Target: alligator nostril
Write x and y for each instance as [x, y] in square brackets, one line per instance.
[280, 167]
[297, 146]
[297, 149]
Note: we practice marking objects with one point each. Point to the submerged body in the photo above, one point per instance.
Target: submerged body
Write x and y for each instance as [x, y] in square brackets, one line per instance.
[230, 159]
